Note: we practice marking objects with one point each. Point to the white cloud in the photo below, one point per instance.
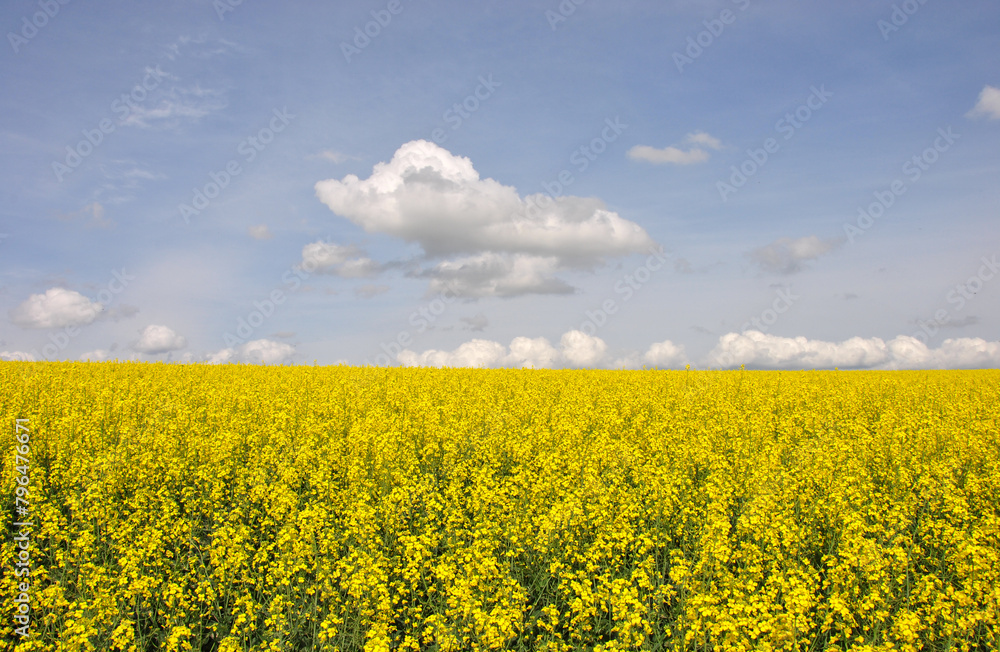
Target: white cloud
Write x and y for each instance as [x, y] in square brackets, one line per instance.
[333, 156]
[9, 356]
[475, 353]
[582, 350]
[97, 355]
[786, 255]
[339, 260]
[665, 355]
[261, 351]
[988, 104]
[156, 339]
[260, 232]
[428, 196]
[676, 155]
[57, 308]
[536, 353]
[758, 350]
[495, 275]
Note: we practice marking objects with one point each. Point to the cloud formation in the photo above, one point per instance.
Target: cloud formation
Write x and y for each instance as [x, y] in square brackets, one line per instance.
[495, 242]
[758, 350]
[261, 351]
[674, 154]
[57, 308]
[787, 255]
[988, 105]
[155, 339]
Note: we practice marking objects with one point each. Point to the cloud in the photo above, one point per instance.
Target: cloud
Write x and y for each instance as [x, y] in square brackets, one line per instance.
[576, 349]
[262, 351]
[118, 313]
[582, 350]
[757, 350]
[57, 308]
[156, 339]
[988, 104]
[665, 355]
[428, 196]
[10, 356]
[477, 322]
[676, 155]
[495, 275]
[260, 232]
[334, 156]
[97, 355]
[785, 255]
[339, 260]
[368, 291]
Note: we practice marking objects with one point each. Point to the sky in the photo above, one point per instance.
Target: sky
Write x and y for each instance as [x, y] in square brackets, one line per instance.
[787, 184]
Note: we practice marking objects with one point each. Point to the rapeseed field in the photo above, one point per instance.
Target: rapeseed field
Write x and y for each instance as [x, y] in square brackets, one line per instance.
[241, 507]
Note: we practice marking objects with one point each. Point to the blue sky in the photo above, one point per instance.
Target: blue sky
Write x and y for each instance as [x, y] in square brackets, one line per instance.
[788, 184]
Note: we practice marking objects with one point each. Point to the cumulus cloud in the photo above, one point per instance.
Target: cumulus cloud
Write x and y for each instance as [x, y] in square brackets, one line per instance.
[576, 349]
[787, 255]
[988, 105]
[57, 308]
[428, 196]
[9, 356]
[261, 351]
[762, 351]
[665, 355]
[339, 260]
[156, 339]
[260, 232]
[495, 275]
[674, 154]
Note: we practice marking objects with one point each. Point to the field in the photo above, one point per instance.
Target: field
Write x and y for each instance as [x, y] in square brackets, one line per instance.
[240, 507]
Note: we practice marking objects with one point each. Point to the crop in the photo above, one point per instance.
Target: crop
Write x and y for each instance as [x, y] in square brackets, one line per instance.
[242, 507]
